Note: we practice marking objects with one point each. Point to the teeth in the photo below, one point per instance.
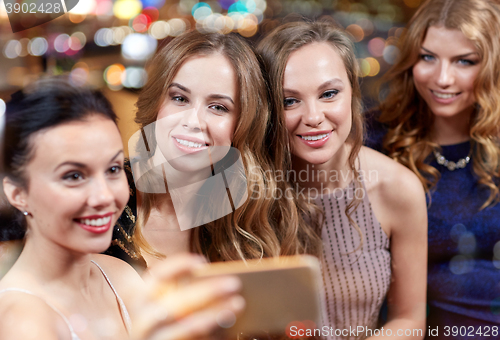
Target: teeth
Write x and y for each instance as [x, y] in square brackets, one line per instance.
[189, 144]
[99, 222]
[317, 137]
[444, 95]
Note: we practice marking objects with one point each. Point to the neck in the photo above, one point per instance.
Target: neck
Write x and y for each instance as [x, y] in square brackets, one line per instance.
[452, 130]
[334, 173]
[51, 265]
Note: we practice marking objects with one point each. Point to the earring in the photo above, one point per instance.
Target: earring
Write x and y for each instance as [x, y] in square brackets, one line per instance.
[25, 213]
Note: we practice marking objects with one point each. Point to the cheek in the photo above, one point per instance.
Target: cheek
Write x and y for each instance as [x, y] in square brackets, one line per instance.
[420, 75]
[222, 130]
[292, 121]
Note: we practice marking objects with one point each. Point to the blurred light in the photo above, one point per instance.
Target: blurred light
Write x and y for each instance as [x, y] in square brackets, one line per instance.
[391, 54]
[126, 9]
[140, 23]
[249, 26]
[356, 31]
[38, 46]
[119, 34]
[177, 27]
[376, 47]
[366, 25]
[383, 22]
[153, 3]
[113, 74]
[461, 264]
[134, 77]
[3, 106]
[237, 18]
[104, 7]
[238, 6]
[364, 66]
[138, 46]
[399, 32]
[202, 12]
[457, 231]
[159, 30]
[198, 6]
[79, 74]
[76, 18]
[84, 7]
[24, 47]
[225, 4]
[61, 43]
[467, 244]
[152, 13]
[412, 3]
[12, 49]
[78, 41]
[104, 37]
[374, 66]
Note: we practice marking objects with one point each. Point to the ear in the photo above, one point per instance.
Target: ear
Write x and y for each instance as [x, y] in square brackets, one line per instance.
[15, 194]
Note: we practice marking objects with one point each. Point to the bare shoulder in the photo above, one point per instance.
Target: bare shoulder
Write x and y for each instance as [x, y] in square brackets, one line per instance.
[118, 271]
[391, 181]
[395, 192]
[124, 278]
[24, 316]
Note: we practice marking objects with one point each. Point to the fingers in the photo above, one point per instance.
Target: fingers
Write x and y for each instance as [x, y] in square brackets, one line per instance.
[176, 267]
[204, 323]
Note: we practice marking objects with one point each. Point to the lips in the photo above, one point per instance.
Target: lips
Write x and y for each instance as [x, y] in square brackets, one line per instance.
[315, 139]
[444, 95]
[96, 224]
[189, 144]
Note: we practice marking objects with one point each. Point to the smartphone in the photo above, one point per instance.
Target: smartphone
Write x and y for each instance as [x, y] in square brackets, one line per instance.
[279, 292]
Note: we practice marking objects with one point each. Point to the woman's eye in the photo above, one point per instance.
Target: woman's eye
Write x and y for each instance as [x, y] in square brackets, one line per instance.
[114, 170]
[329, 94]
[219, 108]
[179, 99]
[467, 62]
[289, 102]
[73, 177]
[426, 57]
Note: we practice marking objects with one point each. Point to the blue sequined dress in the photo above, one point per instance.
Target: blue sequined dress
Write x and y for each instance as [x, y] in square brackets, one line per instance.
[464, 250]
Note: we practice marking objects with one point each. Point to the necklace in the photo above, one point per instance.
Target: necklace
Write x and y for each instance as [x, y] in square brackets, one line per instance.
[461, 163]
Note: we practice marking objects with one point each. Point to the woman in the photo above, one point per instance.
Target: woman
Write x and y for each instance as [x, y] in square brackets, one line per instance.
[68, 192]
[440, 119]
[203, 108]
[375, 223]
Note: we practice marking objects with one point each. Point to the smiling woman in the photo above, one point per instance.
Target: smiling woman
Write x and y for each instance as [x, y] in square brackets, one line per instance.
[374, 228]
[441, 119]
[65, 181]
[204, 107]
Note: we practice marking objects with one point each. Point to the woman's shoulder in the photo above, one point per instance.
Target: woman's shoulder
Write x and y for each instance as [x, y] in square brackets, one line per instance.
[392, 183]
[26, 316]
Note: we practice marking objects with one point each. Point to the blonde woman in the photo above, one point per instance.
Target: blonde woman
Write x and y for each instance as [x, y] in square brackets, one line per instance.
[206, 91]
[440, 119]
[374, 230]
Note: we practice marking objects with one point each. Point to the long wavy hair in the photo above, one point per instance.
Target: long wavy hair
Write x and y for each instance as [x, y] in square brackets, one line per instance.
[408, 116]
[275, 50]
[266, 224]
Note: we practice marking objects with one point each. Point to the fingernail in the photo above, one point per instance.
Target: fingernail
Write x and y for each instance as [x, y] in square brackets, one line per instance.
[232, 284]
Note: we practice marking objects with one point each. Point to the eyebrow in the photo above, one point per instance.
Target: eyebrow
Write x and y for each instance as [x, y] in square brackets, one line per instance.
[325, 85]
[212, 96]
[458, 56]
[81, 165]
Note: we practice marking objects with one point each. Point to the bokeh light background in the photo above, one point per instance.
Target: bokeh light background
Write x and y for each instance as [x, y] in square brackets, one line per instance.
[106, 43]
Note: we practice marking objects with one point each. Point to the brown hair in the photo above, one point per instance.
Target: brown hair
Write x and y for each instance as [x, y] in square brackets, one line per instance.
[262, 226]
[408, 116]
[275, 50]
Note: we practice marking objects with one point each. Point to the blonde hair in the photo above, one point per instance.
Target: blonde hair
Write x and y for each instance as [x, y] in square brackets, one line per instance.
[275, 50]
[408, 116]
[262, 226]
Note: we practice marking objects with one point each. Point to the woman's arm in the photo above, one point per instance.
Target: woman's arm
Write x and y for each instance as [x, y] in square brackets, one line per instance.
[400, 205]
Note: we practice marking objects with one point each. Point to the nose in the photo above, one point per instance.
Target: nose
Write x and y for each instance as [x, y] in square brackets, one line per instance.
[192, 119]
[313, 115]
[101, 194]
[445, 76]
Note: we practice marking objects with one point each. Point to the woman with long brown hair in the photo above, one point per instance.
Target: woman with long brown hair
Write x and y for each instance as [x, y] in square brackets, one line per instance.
[441, 119]
[374, 210]
[205, 103]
